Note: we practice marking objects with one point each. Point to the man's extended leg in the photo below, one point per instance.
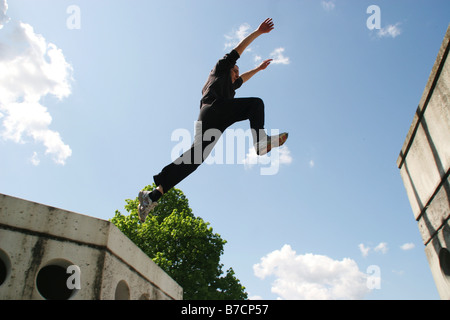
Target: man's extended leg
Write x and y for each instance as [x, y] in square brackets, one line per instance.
[188, 162]
[176, 171]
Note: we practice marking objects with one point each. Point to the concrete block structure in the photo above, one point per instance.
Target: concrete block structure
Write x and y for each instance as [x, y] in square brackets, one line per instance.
[424, 164]
[49, 253]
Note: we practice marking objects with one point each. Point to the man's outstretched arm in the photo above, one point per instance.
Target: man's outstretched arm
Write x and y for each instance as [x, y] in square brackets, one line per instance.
[264, 27]
[247, 75]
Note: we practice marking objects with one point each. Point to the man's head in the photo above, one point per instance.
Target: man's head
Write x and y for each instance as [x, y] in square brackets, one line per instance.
[234, 73]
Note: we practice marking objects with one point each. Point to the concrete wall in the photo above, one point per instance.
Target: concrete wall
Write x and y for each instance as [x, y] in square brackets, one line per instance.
[38, 243]
[424, 164]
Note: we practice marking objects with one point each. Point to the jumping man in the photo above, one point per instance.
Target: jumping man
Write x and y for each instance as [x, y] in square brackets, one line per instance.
[218, 110]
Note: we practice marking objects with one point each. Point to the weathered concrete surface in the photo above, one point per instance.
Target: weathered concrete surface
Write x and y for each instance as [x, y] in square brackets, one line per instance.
[424, 164]
[33, 236]
[438, 259]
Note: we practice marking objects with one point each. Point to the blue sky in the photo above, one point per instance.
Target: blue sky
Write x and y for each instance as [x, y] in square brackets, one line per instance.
[93, 96]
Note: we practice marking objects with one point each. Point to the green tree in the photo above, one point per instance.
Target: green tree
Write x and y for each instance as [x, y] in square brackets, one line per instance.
[183, 245]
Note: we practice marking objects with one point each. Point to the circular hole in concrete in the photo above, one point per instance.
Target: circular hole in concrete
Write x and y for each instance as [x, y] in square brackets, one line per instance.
[5, 267]
[444, 262]
[122, 291]
[144, 296]
[51, 281]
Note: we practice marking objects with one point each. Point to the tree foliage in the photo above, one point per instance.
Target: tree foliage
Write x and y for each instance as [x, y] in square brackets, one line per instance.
[183, 245]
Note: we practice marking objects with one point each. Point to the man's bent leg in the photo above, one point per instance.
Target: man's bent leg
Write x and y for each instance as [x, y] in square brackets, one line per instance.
[240, 109]
[252, 109]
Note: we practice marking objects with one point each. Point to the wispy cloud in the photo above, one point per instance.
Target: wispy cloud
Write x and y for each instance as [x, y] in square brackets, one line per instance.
[392, 31]
[408, 246]
[364, 250]
[312, 277]
[278, 56]
[382, 248]
[273, 160]
[398, 272]
[234, 37]
[35, 159]
[3, 17]
[328, 5]
[31, 68]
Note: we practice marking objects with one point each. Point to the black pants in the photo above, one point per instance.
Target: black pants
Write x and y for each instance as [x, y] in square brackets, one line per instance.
[218, 116]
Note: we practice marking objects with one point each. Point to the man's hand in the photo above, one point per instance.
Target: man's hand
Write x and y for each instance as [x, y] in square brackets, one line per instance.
[264, 64]
[249, 74]
[266, 26]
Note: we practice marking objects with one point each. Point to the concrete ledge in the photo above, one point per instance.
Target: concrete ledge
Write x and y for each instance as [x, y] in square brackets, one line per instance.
[34, 236]
[428, 91]
[439, 262]
[424, 164]
[437, 214]
[424, 160]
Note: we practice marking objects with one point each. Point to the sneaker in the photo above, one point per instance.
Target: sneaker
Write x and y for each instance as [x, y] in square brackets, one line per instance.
[145, 205]
[263, 147]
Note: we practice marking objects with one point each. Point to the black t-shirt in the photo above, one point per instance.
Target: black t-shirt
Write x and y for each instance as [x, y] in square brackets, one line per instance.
[219, 86]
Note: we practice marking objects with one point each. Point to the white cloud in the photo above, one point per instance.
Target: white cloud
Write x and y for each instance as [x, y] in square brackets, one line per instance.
[392, 31]
[312, 164]
[311, 276]
[274, 159]
[31, 68]
[398, 272]
[257, 59]
[3, 17]
[284, 155]
[233, 38]
[364, 250]
[408, 246]
[382, 248]
[278, 56]
[35, 159]
[251, 158]
[328, 5]
[236, 36]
